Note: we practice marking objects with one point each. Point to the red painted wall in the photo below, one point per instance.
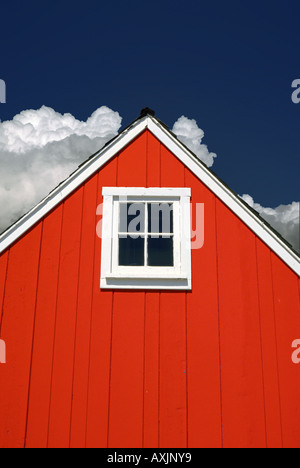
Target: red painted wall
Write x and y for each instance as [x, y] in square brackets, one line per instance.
[209, 367]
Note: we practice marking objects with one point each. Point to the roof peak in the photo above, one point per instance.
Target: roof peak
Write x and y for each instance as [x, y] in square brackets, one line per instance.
[169, 140]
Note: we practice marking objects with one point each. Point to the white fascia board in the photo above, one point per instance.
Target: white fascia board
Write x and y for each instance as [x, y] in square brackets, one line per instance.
[71, 184]
[227, 197]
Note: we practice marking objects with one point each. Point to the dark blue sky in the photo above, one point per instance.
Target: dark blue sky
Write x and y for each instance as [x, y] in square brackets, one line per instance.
[229, 65]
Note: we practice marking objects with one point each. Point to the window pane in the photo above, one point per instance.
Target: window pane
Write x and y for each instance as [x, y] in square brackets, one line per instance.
[160, 217]
[132, 217]
[131, 251]
[160, 251]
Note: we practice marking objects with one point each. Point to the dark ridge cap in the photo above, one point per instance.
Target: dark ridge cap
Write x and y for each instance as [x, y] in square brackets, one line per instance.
[147, 111]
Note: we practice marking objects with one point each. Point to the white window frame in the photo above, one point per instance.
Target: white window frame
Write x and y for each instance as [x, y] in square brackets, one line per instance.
[114, 276]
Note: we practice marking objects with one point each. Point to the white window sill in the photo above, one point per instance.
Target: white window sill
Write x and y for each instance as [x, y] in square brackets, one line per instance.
[166, 283]
[145, 277]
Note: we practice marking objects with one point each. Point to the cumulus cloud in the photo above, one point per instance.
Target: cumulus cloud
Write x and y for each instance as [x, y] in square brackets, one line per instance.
[41, 148]
[188, 132]
[284, 218]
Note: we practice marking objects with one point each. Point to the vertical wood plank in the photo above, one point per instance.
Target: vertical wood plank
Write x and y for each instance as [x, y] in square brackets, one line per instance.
[127, 361]
[269, 346]
[84, 310]
[132, 163]
[204, 398]
[127, 370]
[173, 340]
[151, 377]
[173, 368]
[63, 359]
[153, 161]
[40, 379]
[151, 384]
[100, 344]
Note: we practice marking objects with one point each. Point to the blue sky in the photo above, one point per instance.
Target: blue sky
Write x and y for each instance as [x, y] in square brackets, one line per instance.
[229, 65]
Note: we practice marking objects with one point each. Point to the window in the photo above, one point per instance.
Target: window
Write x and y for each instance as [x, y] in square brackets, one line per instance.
[146, 234]
[146, 238]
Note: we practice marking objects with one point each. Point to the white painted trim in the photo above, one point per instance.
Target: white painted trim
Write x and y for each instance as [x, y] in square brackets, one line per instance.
[149, 283]
[175, 146]
[114, 276]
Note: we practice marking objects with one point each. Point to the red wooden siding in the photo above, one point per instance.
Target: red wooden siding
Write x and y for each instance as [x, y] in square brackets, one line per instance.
[18, 319]
[286, 307]
[209, 367]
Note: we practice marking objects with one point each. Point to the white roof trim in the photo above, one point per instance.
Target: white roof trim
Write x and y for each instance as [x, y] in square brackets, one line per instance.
[175, 146]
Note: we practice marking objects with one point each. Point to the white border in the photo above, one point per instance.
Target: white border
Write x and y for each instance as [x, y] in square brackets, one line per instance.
[173, 144]
[115, 277]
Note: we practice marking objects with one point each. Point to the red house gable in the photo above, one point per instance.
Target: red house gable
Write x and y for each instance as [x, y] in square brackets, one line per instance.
[92, 367]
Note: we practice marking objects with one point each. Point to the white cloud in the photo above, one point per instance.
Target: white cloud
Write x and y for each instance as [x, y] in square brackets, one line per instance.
[40, 148]
[188, 132]
[283, 218]
[36, 128]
